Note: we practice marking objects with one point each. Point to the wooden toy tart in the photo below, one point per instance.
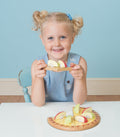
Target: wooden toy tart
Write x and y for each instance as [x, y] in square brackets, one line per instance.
[82, 119]
[58, 69]
[57, 66]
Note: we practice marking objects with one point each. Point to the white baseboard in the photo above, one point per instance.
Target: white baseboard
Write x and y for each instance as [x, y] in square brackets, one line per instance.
[95, 86]
[103, 86]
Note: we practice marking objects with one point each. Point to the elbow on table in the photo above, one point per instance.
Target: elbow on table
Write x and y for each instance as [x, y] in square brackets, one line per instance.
[79, 101]
[38, 104]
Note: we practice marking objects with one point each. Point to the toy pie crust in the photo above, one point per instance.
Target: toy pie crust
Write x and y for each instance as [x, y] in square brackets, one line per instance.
[58, 69]
[79, 127]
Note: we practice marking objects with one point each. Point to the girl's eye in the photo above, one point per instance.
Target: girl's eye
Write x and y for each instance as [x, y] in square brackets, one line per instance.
[63, 37]
[50, 38]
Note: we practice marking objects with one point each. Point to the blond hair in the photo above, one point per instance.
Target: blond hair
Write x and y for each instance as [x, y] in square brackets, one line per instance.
[41, 17]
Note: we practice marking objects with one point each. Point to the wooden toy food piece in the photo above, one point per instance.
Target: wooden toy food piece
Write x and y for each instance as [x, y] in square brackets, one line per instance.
[57, 66]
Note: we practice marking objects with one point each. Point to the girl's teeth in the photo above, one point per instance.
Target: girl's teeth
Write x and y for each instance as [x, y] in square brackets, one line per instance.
[57, 49]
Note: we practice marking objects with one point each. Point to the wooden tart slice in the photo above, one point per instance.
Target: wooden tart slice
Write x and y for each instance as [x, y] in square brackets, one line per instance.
[57, 66]
[58, 69]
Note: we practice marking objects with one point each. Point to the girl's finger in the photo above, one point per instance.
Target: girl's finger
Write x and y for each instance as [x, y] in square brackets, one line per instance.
[41, 66]
[72, 64]
[77, 72]
[41, 76]
[40, 62]
[74, 73]
[41, 72]
[77, 75]
[76, 67]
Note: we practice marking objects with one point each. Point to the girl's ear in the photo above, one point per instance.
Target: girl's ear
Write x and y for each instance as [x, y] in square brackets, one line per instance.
[40, 36]
[73, 37]
[41, 39]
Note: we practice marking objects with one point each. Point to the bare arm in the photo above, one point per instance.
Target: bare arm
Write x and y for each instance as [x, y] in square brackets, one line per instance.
[38, 89]
[79, 73]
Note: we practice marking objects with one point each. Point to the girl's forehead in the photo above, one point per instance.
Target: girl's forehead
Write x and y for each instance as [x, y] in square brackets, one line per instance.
[56, 25]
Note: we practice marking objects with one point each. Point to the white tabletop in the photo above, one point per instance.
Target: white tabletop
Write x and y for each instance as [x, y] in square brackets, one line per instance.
[27, 120]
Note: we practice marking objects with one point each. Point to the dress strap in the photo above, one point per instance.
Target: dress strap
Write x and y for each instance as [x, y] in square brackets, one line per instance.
[73, 58]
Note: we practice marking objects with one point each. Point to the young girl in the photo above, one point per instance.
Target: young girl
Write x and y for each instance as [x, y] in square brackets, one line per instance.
[58, 31]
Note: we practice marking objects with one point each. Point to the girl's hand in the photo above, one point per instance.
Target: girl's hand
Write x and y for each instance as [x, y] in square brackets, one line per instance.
[77, 71]
[37, 70]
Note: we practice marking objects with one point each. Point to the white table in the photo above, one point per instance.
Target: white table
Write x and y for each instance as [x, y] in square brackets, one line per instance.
[27, 120]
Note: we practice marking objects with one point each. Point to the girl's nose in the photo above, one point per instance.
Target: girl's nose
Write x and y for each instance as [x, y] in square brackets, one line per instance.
[57, 42]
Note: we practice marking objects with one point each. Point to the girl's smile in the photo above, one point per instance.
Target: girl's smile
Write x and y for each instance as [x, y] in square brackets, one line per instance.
[57, 49]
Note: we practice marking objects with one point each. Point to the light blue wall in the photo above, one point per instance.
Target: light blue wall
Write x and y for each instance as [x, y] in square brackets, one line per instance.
[99, 42]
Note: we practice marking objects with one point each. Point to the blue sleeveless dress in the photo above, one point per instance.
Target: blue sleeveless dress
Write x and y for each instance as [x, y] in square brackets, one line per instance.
[59, 85]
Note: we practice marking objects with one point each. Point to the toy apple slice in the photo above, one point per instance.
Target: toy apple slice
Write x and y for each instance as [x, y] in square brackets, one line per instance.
[89, 115]
[81, 119]
[60, 115]
[52, 63]
[88, 109]
[62, 64]
[68, 120]
[77, 109]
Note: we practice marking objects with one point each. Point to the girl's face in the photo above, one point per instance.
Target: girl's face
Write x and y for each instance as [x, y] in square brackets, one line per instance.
[57, 39]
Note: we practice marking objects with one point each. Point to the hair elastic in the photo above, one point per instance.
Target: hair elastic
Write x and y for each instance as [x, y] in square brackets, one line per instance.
[69, 16]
